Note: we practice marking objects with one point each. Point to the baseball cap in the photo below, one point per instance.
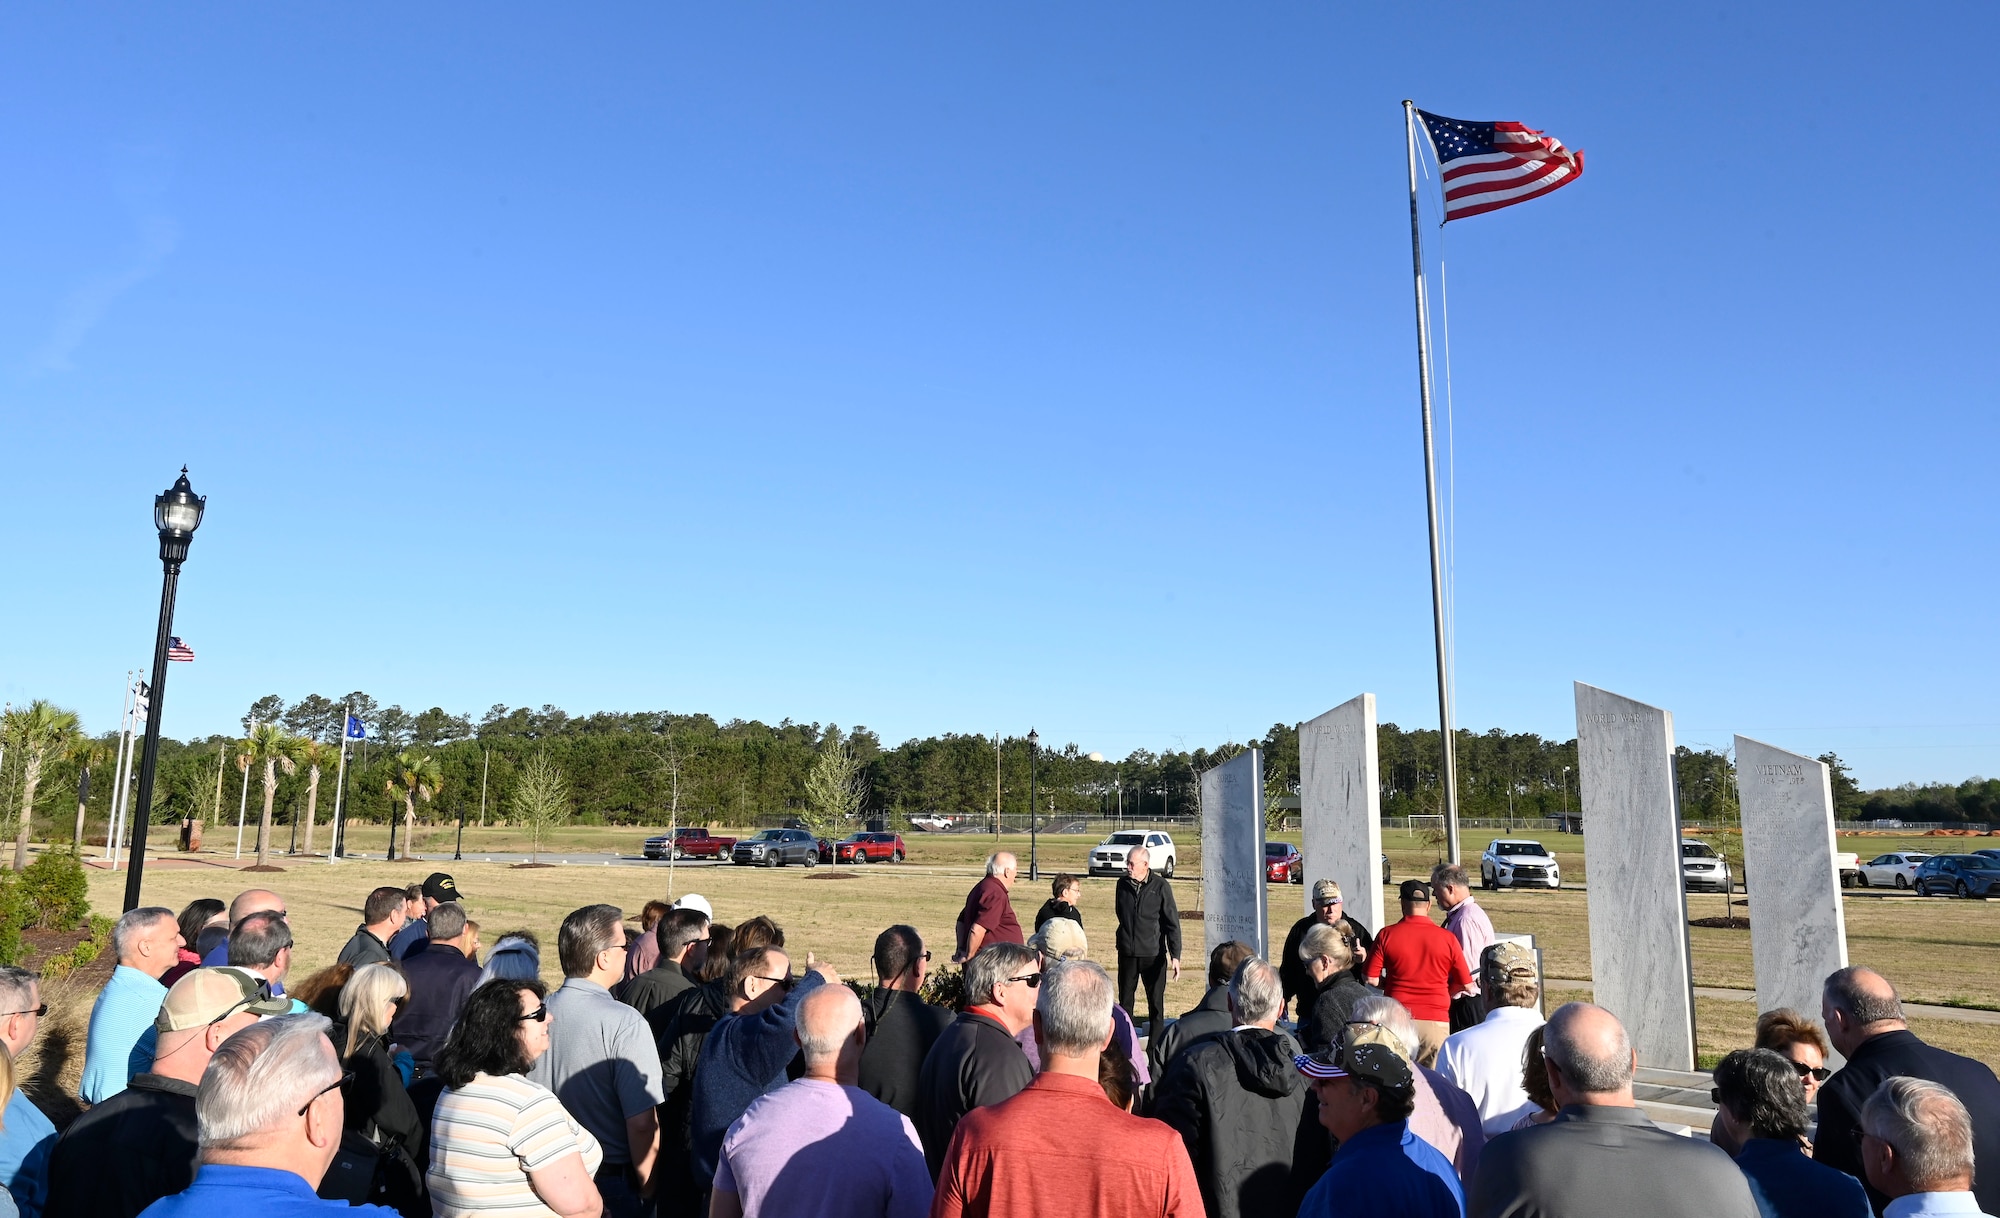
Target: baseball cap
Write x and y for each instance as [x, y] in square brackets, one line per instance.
[698, 903]
[1060, 938]
[1416, 890]
[1325, 892]
[1507, 961]
[440, 887]
[205, 995]
[1377, 1061]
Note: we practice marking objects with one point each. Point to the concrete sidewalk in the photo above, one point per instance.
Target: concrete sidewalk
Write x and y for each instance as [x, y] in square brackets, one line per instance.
[1916, 1009]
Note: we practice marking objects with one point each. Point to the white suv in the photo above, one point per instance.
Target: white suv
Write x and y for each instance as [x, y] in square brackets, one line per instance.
[1108, 856]
[1518, 863]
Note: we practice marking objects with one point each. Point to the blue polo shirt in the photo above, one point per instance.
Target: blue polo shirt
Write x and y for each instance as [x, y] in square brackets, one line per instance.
[1385, 1171]
[26, 1141]
[1786, 1184]
[121, 1033]
[252, 1192]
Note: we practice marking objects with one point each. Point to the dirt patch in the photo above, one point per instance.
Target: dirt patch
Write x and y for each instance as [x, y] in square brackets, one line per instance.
[1192, 915]
[529, 866]
[1721, 923]
[264, 867]
[833, 875]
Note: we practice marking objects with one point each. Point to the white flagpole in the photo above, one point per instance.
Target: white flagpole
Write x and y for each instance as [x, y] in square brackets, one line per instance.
[117, 770]
[243, 805]
[122, 792]
[340, 788]
[1448, 769]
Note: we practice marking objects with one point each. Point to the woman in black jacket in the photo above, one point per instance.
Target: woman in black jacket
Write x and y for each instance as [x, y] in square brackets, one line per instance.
[1064, 890]
[378, 1106]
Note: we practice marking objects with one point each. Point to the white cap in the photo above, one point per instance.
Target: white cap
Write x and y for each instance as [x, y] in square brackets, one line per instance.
[698, 903]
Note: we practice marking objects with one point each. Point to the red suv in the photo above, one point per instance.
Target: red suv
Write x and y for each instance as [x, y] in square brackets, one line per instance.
[870, 848]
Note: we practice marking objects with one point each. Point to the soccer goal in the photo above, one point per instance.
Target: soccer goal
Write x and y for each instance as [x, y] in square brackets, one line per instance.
[1421, 824]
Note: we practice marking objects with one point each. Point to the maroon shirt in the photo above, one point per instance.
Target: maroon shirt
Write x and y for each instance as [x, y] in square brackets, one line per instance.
[987, 905]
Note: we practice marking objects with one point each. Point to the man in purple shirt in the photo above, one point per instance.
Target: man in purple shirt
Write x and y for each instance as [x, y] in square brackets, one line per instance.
[1469, 924]
[821, 1147]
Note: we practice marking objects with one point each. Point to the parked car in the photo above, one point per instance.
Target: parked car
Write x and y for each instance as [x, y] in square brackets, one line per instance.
[777, 847]
[1513, 863]
[870, 848]
[1385, 869]
[1848, 865]
[931, 824]
[1897, 869]
[1108, 856]
[1964, 875]
[689, 842]
[1703, 868]
[1283, 864]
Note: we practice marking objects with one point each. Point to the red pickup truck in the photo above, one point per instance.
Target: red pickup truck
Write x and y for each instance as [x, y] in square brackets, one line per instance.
[689, 843]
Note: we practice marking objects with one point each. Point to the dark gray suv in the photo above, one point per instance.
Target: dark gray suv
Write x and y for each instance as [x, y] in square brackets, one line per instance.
[776, 847]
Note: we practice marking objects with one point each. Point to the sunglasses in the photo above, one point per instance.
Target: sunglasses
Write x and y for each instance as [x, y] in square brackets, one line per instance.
[346, 1077]
[540, 1014]
[44, 1008]
[1034, 980]
[1818, 1074]
[783, 982]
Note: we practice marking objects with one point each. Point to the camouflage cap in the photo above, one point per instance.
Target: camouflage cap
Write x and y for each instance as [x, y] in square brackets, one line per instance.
[1509, 960]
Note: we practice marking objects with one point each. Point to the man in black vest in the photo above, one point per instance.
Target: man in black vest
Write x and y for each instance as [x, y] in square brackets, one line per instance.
[1864, 1019]
[1149, 937]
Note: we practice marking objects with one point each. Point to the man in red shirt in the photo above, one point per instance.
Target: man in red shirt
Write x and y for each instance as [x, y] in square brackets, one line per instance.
[1061, 1147]
[988, 916]
[1420, 964]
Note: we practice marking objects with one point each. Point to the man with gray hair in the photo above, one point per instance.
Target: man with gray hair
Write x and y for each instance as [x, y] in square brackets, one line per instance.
[823, 1136]
[270, 1114]
[26, 1135]
[1236, 1100]
[1918, 1149]
[1466, 922]
[975, 1061]
[988, 916]
[1600, 1155]
[1864, 1019]
[601, 1062]
[146, 943]
[442, 974]
[1060, 1146]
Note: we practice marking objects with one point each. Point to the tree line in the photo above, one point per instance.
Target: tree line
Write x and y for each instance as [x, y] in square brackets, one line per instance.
[661, 767]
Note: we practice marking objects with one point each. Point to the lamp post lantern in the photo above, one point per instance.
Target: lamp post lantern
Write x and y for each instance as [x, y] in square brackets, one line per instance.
[176, 514]
[1034, 872]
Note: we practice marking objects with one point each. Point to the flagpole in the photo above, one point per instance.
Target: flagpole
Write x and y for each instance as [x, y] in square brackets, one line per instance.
[243, 803]
[1448, 746]
[118, 777]
[339, 788]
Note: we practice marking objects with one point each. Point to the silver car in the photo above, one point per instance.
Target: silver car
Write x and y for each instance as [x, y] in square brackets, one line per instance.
[1703, 869]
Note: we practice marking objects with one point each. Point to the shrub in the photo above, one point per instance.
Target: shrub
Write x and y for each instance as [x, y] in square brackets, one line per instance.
[13, 913]
[55, 891]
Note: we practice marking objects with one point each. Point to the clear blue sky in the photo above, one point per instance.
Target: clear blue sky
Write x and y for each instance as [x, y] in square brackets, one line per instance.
[965, 368]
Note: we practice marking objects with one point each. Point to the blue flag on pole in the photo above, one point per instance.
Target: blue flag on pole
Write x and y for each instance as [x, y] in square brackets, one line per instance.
[354, 729]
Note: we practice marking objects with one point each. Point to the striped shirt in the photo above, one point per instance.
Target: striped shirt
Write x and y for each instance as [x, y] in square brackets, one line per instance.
[488, 1135]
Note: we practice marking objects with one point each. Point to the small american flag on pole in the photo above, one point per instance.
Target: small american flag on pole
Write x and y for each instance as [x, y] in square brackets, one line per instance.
[1487, 166]
[177, 650]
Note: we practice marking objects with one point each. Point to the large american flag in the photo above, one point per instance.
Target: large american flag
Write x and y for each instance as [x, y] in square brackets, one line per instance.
[177, 650]
[1487, 166]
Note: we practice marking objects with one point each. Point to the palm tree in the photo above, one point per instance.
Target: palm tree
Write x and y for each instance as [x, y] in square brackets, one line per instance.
[36, 730]
[87, 754]
[314, 754]
[412, 777]
[273, 748]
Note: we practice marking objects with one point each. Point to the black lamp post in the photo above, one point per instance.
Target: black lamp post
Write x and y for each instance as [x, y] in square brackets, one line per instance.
[1034, 872]
[177, 514]
[458, 851]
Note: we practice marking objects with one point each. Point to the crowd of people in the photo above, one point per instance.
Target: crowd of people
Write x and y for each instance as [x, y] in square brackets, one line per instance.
[695, 1069]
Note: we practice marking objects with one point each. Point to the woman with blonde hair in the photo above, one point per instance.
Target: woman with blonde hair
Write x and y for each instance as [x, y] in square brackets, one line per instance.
[378, 1107]
[7, 1207]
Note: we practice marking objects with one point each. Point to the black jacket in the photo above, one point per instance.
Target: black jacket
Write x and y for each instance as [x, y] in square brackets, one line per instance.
[380, 1109]
[440, 979]
[1149, 923]
[973, 1064]
[1235, 1098]
[680, 1025]
[1210, 1015]
[363, 948]
[126, 1153]
[1331, 1006]
[901, 1030]
[1838, 1142]
[653, 988]
[1292, 970]
[1053, 908]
